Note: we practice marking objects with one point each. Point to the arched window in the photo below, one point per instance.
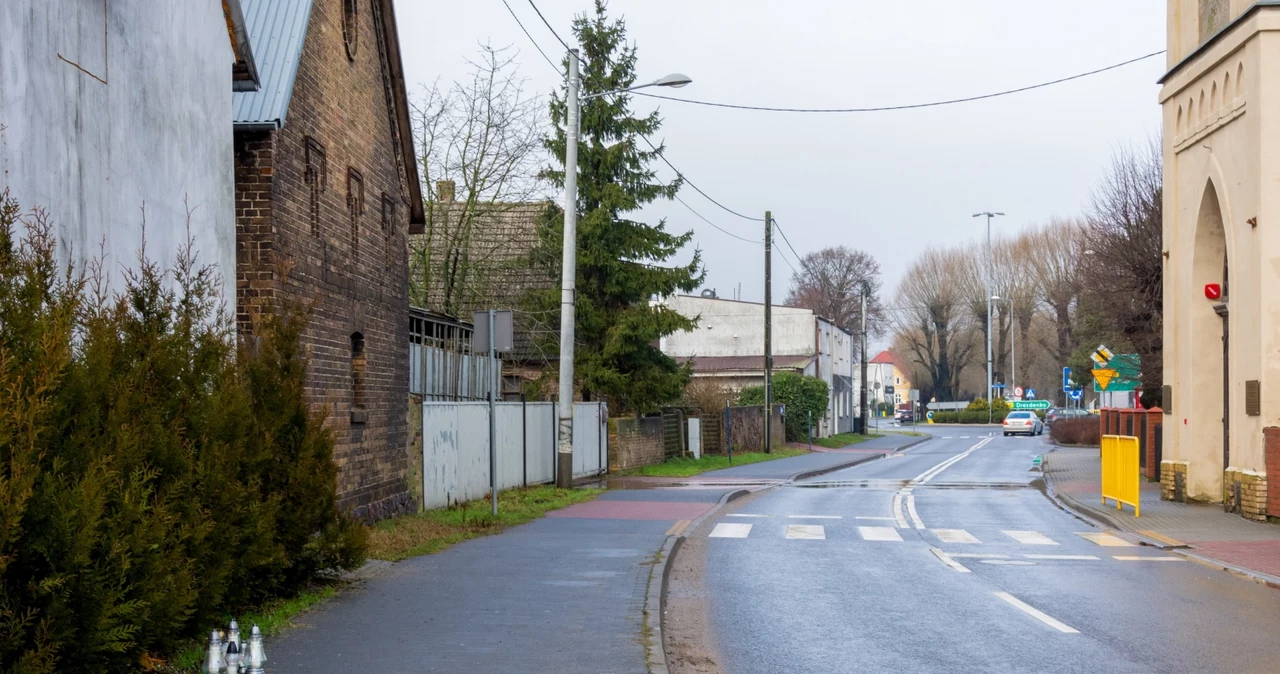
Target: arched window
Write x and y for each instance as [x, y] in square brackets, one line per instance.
[1227, 96]
[358, 414]
[350, 26]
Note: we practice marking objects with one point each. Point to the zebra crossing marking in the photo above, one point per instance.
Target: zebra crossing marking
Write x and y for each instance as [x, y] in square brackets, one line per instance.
[955, 536]
[727, 530]
[1030, 538]
[1106, 540]
[879, 534]
[809, 532]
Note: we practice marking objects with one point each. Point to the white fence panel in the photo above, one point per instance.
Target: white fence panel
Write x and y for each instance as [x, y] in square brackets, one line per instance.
[589, 437]
[541, 433]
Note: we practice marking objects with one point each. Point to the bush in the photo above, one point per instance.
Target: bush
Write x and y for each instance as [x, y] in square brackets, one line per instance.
[946, 417]
[153, 477]
[800, 394]
[1082, 431]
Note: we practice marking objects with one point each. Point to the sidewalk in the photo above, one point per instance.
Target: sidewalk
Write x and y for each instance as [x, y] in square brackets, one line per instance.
[566, 593]
[1209, 533]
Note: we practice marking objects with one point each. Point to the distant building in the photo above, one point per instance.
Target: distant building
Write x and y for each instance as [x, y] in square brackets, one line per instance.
[115, 114]
[887, 379]
[728, 346]
[327, 192]
[473, 256]
[1221, 281]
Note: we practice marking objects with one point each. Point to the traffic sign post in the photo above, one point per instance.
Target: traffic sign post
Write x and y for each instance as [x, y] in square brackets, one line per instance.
[1031, 404]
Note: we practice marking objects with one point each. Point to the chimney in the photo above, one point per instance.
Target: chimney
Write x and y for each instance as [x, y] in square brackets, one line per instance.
[444, 190]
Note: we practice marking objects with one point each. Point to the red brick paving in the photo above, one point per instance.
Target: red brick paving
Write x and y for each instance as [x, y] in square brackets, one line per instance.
[1261, 556]
[634, 510]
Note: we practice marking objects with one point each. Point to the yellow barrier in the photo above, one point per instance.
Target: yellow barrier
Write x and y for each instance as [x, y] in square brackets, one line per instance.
[1121, 475]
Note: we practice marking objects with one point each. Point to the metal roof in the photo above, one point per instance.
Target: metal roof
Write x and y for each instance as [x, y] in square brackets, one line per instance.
[277, 29]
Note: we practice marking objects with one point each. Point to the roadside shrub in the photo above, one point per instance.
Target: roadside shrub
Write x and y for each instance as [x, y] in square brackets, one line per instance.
[946, 417]
[153, 476]
[800, 394]
[1082, 431]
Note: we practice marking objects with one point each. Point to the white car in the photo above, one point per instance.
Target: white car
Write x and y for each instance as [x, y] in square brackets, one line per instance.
[1022, 422]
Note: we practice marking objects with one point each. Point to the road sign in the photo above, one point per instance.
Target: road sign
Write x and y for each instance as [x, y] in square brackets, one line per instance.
[1102, 355]
[1031, 405]
[1077, 393]
[1123, 372]
[1103, 377]
[1017, 392]
[1066, 379]
[1031, 394]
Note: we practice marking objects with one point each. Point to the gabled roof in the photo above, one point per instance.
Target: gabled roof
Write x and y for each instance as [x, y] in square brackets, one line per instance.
[277, 28]
[244, 71]
[887, 357]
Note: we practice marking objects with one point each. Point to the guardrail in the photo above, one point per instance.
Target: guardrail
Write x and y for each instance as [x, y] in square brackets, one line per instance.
[1121, 472]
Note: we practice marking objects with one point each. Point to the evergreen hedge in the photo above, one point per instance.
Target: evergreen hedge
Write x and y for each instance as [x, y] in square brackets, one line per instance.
[799, 393]
[154, 476]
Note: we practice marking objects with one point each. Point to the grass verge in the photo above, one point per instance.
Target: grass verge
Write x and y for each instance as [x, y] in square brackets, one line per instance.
[272, 618]
[686, 467]
[434, 530]
[841, 440]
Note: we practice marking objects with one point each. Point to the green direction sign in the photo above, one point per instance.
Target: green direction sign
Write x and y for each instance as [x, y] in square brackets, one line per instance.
[1031, 404]
[1125, 373]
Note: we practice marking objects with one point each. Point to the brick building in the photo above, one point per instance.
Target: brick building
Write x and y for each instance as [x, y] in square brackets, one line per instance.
[327, 192]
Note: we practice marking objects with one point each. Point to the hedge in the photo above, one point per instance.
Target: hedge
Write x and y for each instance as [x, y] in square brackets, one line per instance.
[154, 475]
[800, 394]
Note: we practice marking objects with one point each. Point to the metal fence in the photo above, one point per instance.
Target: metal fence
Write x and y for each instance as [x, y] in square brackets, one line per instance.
[455, 446]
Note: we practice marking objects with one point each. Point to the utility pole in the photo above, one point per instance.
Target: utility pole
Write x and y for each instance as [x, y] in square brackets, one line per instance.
[990, 281]
[862, 400]
[568, 279]
[768, 332]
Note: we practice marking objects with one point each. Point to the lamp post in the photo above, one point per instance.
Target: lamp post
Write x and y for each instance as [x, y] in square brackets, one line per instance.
[1013, 343]
[990, 292]
[568, 292]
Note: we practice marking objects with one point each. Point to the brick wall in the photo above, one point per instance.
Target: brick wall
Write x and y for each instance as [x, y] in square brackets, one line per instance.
[635, 442]
[1253, 492]
[1155, 418]
[342, 255]
[1169, 472]
[1273, 470]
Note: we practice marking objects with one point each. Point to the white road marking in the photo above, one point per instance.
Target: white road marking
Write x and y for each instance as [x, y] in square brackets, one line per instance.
[811, 532]
[1037, 614]
[1106, 540]
[898, 517]
[861, 517]
[949, 561]
[911, 510]
[963, 437]
[815, 517]
[879, 534]
[955, 536]
[1030, 538]
[1009, 562]
[933, 472]
[725, 530]
[744, 514]
[1084, 558]
[1124, 558]
[977, 555]
[945, 437]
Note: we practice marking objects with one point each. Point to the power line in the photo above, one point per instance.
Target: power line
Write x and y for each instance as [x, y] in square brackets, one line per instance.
[690, 182]
[548, 25]
[535, 42]
[778, 225]
[910, 106]
[722, 229]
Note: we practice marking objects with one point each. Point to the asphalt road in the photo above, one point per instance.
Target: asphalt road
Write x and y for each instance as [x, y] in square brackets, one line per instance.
[949, 558]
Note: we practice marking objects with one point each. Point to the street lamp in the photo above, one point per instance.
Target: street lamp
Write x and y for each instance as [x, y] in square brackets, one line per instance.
[1013, 343]
[568, 292]
[990, 292]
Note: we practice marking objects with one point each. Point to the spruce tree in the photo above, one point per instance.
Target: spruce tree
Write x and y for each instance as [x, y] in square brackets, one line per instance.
[622, 263]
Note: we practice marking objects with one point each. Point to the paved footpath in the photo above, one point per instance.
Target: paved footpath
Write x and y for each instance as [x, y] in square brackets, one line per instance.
[562, 594]
[1210, 533]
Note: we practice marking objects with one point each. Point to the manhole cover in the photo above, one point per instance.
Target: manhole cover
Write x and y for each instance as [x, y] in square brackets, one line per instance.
[1008, 562]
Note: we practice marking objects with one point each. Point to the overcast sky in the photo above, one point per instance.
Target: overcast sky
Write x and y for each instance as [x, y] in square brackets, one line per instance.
[890, 183]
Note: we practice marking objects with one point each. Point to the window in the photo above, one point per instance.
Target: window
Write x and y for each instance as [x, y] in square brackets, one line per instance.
[897, 381]
[358, 414]
[355, 207]
[350, 27]
[388, 226]
[316, 176]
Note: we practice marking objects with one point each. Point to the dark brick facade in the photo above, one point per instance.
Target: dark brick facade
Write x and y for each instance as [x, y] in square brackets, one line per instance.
[1272, 449]
[322, 216]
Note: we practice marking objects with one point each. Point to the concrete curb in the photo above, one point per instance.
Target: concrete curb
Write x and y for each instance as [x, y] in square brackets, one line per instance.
[656, 595]
[804, 475]
[1098, 517]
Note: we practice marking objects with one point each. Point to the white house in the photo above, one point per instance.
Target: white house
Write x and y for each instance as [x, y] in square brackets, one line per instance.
[728, 345]
[112, 112]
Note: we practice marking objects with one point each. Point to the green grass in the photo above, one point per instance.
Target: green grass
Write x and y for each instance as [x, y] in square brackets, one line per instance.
[272, 618]
[432, 531]
[843, 440]
[686, 467]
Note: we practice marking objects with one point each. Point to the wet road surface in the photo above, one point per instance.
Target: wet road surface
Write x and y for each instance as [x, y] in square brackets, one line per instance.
[949, 558]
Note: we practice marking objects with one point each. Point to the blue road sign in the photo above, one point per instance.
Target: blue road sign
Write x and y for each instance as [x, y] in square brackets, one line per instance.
[1031, 394]
[999, 386]
[1077, 393]
[1066, 379]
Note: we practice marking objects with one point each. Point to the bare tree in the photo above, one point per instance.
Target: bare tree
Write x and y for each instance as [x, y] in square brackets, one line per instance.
[1054, 256]
[1123, 258]
[931, 320]
[479, 144]
[831, 282]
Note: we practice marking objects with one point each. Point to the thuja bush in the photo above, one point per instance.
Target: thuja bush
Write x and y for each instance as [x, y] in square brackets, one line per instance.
[154, 475]
[801, 395]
